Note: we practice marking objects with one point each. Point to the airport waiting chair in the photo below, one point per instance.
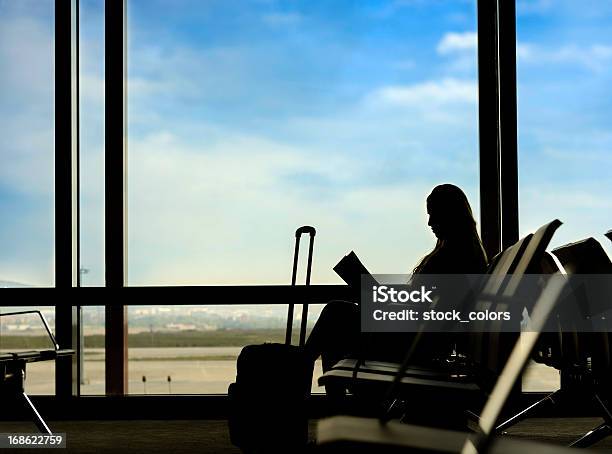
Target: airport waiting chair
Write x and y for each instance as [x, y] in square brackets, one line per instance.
[589, 257]
[13, 372]
[371, 435]
[580, 354]
[487, 349]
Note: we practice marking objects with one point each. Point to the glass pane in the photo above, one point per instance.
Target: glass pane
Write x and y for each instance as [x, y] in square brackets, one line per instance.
[193, 349]
[248, 119]
[93, 366]
[25, 332]
[540, 378]
[564, 53]
[565, 140]
[92, 141]
[26, 143]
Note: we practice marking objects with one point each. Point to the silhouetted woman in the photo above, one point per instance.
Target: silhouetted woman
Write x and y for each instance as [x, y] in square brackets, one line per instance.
[458, 250]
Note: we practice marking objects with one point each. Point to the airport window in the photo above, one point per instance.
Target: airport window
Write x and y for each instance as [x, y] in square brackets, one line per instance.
[92, 360]
[564, 56]
[162, 154]
[233, 142]
[563, 76]
[193, 349]
[26, 143]
[249, 119]
[26, 177]
[91, 149]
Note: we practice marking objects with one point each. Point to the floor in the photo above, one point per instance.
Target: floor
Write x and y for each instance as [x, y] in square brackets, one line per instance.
[177, 437]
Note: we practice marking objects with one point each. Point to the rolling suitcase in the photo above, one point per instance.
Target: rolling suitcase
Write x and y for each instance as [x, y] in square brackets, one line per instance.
[268, 401]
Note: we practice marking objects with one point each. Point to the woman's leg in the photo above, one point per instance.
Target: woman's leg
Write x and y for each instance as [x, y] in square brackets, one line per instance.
[335, 334]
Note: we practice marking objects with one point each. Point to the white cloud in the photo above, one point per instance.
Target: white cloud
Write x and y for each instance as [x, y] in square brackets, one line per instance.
[580, 156]
[92, 89]
[533, 6]
[394, 6]
[146, 87]
[445, 91]
[523, 51]
[224, 212]
[460, 48]
[595, 57]
[26, 141]
[26, 112]
[453, 42]
[184, 71]
[583, 210]
[26, 53]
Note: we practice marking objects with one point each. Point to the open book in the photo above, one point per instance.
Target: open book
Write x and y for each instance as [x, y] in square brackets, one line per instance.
[350, 270]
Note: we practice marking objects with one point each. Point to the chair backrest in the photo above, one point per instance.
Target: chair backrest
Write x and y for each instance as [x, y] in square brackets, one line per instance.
[593, 297]
[560, 347]
[587, 257]
[584, 257]
[549, 265]
[489, 348]
[530, 261]
[503, 264]
[496, 279]
[513, 368]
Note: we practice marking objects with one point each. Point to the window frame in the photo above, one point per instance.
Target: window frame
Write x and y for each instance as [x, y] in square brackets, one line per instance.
[498, 175]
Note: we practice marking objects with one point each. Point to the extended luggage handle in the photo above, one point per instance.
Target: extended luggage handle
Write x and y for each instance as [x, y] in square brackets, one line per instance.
[305, 229]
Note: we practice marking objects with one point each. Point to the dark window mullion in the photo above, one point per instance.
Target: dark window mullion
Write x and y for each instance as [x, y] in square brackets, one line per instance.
[114, 204]
[66, 182]
[488, 127]
[508, 120]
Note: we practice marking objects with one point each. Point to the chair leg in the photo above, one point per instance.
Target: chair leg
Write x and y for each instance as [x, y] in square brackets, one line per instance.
[551, 399]
[593, 436]
[605, 412]
[598, 433]
[38, 420]
[393, 410]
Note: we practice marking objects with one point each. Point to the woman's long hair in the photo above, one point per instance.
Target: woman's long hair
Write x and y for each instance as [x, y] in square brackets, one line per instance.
[453, 203]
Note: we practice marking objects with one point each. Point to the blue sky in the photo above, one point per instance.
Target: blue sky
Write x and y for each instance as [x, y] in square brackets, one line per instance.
[250, 118]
